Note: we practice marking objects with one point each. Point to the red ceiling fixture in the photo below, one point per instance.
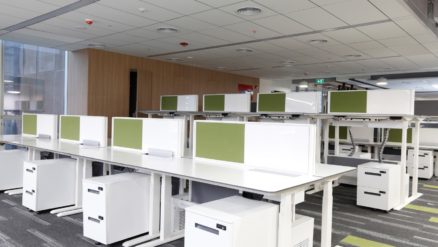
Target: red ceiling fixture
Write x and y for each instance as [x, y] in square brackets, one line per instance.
[89, 21]
[183, 43]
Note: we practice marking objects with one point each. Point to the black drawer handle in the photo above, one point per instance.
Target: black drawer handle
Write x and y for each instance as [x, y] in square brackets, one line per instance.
[29, 170]
[373, 174]
[422, 168]
[207, 229]
[422, 155]
[28, 192]
[93, 191]
[94, 220]
[371, 193]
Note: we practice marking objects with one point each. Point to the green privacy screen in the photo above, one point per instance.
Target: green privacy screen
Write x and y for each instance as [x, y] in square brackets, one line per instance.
[351, 101]
[214, 103]
[169, 103]
[220, 141]
[70, 127]
[128, 133]
[395, 135]
[29, 124]
[275, 102]
[343, 132]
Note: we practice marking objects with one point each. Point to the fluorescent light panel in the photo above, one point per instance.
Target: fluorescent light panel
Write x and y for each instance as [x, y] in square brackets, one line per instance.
[46, 16]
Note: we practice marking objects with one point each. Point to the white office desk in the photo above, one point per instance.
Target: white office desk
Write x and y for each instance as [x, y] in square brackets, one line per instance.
[218, 173]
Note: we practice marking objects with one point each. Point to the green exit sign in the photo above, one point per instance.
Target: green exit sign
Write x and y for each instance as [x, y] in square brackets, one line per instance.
[319, 81]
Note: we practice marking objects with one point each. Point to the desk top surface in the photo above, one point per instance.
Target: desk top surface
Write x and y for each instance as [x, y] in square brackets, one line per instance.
[229, 175]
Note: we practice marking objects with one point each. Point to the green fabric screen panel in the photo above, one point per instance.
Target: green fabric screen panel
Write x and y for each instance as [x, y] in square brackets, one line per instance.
[169, 103]
[220, 141]
[70, 127]
[273, 102]
[29, 124]
[214, 103]
[343, 132]
[395, 135]
[351, 101]
[128, 133]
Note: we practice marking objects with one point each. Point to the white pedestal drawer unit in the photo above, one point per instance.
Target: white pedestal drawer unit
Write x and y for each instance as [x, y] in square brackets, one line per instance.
[378, 185]
[11, 167]
[231, 222]
[49, 184]
[116, 207]
[425, 163]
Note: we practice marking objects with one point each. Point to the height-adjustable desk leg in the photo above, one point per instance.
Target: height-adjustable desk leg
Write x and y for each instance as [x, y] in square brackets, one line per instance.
[83, 170]
[285, 219]
[327, 215]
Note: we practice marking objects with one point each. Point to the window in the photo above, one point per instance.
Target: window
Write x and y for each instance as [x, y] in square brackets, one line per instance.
[33, 81]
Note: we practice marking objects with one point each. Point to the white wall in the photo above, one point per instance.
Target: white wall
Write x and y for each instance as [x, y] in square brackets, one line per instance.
[268, 85]
[77, 83]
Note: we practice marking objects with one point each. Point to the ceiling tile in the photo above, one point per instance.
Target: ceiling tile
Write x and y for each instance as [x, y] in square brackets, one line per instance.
[285, 6]
[7, 20]
[326, 2]
[379, 52]
[35, 6]
[217, 17]
[316, 18]
[101, 11]
[317, 36]
[392, 8]
[367, 45]
[355, 11]
[225, 34]
[190, 23]
[290, 43]
[399, 41]
[282, 25]
[413, 26]
[410, 50]
[383, 31]
[348, 36]
[119, 39]
[185, 7]
[425, 61]
[216, 3]
[252, 30]
[150, 11]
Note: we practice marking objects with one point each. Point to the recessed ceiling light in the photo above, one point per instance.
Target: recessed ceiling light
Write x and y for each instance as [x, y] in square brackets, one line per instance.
[247, 50]
[249, 11]
[318, 41]
[167, 30]
[141, 9]
[288, 62]
[174, 59]
[13, 92]
[8, 81]
[189, 57]
[382, 81]
[96, 45]
[220, 67]
[353, 56]
[435, 86]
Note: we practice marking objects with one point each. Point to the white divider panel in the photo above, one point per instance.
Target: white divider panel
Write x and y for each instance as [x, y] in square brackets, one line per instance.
[362, 134]
[164, 134]
[391, 102]
[94, 128]
[281, 147]
[237, 102]
[303, 102]
[187, 103]
[429, 136]
[47, 124]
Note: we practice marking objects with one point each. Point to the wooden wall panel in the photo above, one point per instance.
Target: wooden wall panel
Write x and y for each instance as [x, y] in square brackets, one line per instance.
[108, 82]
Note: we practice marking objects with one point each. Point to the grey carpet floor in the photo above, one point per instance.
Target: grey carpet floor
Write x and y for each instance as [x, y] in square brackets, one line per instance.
[408, 227]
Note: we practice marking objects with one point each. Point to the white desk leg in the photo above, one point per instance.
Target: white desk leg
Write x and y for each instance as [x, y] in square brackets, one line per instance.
[327, 214]
[154, 213]
[285, 219]
[83, 170]
[416, 134]
[326, 139]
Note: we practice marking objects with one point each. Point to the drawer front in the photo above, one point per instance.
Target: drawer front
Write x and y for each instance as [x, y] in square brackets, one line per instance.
[373, 198]
[373, 178]
[29, 176]
[94, 202]
[423, 171]
[29, 198]
[95, 228]
[200, 230]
